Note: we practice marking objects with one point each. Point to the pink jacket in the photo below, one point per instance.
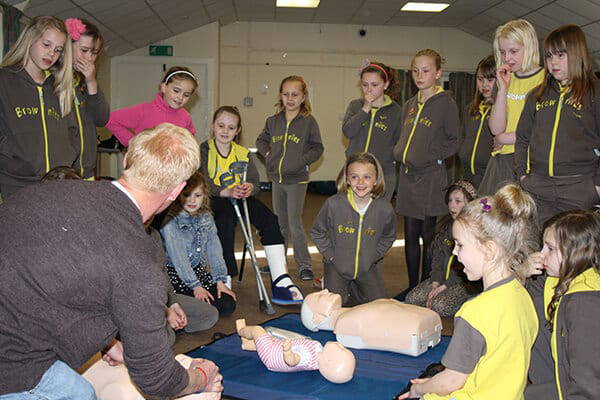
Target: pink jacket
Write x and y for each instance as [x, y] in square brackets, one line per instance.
[270, 351]
[126, 122]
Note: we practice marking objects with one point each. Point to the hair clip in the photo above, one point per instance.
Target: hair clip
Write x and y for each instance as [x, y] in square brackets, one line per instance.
[75, 28]
[484, 205]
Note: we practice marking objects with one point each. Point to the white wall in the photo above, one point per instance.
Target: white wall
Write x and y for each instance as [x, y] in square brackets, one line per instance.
[255, 56]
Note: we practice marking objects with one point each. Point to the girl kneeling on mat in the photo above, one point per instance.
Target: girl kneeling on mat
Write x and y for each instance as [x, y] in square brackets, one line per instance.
[221, 157]
[194, 256]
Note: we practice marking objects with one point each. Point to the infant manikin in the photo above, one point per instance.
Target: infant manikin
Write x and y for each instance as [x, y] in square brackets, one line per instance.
[383, 324]
[334, 361]
[113, 383]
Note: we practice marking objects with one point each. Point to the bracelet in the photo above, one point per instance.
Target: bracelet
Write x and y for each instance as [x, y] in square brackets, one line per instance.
[203, 374]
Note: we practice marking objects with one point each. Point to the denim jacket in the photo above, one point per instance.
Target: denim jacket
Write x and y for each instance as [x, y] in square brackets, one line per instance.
[191, 241]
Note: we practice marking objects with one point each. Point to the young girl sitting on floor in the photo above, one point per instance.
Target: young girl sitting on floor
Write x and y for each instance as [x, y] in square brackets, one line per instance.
[447, 288]
[488, 356]
[194, 255]
[564, 361]
[354, 230]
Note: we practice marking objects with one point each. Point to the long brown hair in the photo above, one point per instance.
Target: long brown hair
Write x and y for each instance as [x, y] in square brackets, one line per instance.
[570, 39]
[577, 235]
[487, 68]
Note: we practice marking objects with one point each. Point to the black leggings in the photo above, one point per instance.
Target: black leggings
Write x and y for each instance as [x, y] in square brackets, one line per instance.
[414, 229]
[225, 219]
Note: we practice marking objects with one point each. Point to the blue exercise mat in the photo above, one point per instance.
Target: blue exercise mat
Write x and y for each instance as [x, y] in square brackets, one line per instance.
[378, 375]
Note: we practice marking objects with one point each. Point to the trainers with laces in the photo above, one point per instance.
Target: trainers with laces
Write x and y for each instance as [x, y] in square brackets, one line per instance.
[306, 274]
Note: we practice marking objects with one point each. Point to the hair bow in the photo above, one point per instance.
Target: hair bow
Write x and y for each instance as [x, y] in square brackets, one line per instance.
[484, 205]
[75, 27]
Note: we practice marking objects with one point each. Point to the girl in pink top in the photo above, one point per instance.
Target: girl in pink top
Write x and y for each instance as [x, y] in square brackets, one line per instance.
[176, 88]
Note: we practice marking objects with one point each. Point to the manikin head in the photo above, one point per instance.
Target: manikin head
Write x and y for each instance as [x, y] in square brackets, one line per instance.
[336, 363]
[317, 308]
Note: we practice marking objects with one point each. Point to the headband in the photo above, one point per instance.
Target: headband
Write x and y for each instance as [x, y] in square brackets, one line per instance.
[379, 67]
[75, 28]
[179, 72]
[467, 187]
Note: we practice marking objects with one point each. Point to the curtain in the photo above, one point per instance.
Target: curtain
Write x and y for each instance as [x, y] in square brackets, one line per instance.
[406, 86]
[11, 25]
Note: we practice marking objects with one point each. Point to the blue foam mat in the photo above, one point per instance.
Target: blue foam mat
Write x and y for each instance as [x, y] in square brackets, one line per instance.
[378, 375]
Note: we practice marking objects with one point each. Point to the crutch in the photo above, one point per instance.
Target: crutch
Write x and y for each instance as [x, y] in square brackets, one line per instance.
[264, 304]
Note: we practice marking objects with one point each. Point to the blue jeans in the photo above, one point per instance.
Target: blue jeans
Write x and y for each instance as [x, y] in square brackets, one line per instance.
[59, 382]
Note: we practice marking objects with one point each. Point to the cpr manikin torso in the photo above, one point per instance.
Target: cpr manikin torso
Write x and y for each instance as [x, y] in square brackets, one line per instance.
[383, 324]
[113, 383]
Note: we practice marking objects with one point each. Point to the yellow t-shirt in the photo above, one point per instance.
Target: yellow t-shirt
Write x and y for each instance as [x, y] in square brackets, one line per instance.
[506, 318]
[515, 102]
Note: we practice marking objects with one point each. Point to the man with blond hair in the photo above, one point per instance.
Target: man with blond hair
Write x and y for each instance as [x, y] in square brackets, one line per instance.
[79, 266]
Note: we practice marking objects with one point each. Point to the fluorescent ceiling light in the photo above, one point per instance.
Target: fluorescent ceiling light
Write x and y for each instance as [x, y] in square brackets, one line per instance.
[424, 7]
[298, 3]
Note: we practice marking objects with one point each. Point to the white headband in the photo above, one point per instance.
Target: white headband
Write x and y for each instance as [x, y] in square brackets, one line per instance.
[179, 72]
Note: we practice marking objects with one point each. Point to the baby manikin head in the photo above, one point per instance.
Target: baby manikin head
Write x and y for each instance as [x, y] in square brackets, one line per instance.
[317, 309]
[336, 363]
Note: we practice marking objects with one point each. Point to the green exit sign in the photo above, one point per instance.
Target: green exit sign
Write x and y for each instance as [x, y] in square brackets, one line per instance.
[160, 50]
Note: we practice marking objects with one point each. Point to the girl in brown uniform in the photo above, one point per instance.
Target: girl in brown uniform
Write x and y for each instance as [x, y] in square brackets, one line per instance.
[558, 135]
[429, 135]
[475, 151]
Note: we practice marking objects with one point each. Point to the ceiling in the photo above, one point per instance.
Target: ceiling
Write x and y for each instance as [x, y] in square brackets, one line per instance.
[131, 24]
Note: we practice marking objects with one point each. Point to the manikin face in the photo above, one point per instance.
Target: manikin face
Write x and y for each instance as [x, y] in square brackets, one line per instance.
[225, 127]
[361, 178]
[558, 66]
[336, 363]
[456, 202]
[468, 250]
[485, 86]
[512, 53]
[191, 203]
[551, 253]
[177, 93]
[85, 49]
[292, 96]
[45, 51]
[425, 73]
[371, 83]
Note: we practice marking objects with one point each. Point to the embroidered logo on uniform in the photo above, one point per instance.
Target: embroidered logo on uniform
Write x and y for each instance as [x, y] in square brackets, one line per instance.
[279, 138]
[544, 104]
[448, 242]
[383, 117]
[52, 113]
[21, 111]
[381, 126]
[369, 231]
[425, 121]
[516, 96]
[346, 229]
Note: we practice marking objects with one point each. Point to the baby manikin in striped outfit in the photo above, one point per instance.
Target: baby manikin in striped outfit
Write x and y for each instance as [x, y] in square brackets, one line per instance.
[334, 361]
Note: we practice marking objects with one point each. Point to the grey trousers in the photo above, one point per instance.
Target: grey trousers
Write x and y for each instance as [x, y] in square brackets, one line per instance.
[200, 315]
[364, 289]
[288, 205]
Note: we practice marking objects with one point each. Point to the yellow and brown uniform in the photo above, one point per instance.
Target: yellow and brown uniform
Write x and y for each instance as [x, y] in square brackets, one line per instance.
[476, 148]
[34, 137]
[503, 324]
[430, 134]
[558, 142]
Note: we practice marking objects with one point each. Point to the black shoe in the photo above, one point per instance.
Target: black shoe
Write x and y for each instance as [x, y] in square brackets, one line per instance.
[306, 274]
[402, 295]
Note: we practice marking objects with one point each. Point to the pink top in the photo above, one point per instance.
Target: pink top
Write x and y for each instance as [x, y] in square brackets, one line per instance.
[126, 122]
[270, 351]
